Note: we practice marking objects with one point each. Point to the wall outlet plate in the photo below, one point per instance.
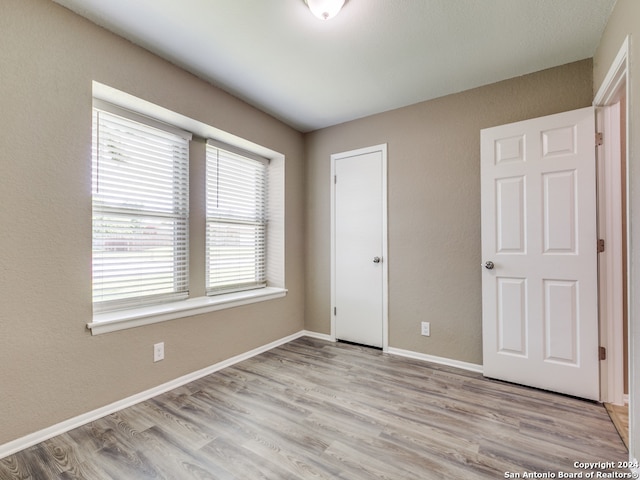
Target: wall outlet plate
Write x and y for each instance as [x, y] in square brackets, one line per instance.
[425, 329]
[158, 352]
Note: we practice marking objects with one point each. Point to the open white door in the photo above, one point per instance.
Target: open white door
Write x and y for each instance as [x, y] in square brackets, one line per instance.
[539, 248]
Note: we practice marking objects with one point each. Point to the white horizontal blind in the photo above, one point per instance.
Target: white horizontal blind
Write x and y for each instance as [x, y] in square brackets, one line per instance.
[140, 213]
[236, 221]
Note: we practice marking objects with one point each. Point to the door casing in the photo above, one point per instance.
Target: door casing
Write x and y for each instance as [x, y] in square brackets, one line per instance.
[614, 87]
[382, 148]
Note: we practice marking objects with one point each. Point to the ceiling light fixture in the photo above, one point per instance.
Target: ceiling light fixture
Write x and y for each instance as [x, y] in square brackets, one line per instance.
[324, 9]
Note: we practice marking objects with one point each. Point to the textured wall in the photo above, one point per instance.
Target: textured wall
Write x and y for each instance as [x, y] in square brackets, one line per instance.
[624, 21]
[51, 368]
[434, 204]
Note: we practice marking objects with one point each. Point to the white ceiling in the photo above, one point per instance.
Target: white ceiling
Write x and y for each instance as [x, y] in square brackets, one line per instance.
[376, 55]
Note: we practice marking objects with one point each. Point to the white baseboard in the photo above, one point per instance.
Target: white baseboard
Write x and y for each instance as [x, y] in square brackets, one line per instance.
[473, 367]
[319, 336]
[75, 422]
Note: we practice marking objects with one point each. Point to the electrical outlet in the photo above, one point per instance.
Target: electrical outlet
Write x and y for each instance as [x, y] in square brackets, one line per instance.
[158, 352]
[425, 329]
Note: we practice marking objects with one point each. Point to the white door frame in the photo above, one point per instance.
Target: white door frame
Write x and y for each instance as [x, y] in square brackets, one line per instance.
[382, 148]
[610, 226]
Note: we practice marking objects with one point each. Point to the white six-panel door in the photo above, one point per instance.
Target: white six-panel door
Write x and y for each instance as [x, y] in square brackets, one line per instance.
[540, 306]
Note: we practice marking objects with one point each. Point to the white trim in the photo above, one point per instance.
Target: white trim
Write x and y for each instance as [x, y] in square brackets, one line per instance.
[129, 102]
[75, 422]
[332, 194]
[618, 77]
[382, 148]
[610, 225]
[136, 317]
[617, 74]
[385, 252]
[472, 367]
[319, 336]
[610, 261]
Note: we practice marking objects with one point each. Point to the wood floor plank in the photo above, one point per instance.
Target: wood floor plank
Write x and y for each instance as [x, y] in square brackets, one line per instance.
[16, 467]
[242, 463]
[619, 415]
[82, 471]
[168, 454]
[312, 409]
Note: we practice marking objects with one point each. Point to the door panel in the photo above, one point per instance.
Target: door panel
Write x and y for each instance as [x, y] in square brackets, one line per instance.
[560, 206]
[512, 315]
[540, 321]
[561, 321]
[511, 215]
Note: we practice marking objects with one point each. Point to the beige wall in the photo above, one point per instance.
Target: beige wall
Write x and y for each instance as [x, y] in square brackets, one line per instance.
[625, 21]
[434, 204]
[51, 368]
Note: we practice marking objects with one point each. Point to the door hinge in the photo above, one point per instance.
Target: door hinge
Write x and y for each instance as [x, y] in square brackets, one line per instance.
[602, 353]
[599, 141]
[335, 179]
[600, 245]
[335, 311]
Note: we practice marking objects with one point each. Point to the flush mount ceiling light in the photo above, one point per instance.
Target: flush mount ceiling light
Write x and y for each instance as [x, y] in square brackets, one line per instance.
[324, 9]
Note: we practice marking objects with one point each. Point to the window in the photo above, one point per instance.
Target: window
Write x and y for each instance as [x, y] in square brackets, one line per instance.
[140, 210]
[236, 221]
[147, 267]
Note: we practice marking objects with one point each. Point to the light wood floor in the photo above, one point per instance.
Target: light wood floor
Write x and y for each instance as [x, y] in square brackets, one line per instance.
[620, 417]
[314, 409]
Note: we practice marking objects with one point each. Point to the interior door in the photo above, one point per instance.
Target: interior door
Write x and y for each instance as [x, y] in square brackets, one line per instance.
[539, 250]
[358, 245]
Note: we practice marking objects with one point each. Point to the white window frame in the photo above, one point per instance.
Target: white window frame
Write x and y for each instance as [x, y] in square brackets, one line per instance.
[275, 288]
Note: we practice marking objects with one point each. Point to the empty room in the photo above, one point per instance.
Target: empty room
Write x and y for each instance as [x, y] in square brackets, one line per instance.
[294, 239]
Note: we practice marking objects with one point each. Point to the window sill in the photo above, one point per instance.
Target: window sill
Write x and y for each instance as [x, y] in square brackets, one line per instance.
[136, 317]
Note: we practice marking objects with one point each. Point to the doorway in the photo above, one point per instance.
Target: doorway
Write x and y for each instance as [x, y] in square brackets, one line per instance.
[618, 382]
[612, 230]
